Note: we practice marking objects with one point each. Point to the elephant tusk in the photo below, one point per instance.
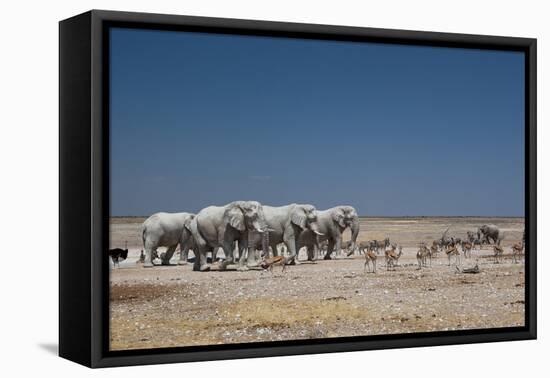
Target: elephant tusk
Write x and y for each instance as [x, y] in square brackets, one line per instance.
[318, 233]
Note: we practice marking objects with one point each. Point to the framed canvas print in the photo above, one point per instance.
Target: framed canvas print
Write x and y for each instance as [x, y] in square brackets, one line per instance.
[234, 188]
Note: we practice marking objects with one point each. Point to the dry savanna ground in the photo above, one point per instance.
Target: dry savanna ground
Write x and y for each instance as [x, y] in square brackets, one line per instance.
[168, 306]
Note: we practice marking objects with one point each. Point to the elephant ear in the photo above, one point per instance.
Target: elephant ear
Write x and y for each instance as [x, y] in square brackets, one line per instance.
[234, 217]
[338, 217]
[298, 217]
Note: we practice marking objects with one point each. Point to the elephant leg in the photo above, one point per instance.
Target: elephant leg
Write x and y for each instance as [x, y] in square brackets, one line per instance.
[229, 254]
[184, 255]
[242, 256]
[257, 256]
[275, 250]
[291, 246]
[214, 254]
[167, 256]
[297, 250]
[150, 251]
[329, 250]
[185, 242]
[338, 246]
[246, 249]
[310, 253]
[251, 258]
[316, 251]
[196, 265]
[201, 263]
[271, 249]
[197, 262]
[232, 252]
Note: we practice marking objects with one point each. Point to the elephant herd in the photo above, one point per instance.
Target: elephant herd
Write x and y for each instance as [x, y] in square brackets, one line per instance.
[246, 226]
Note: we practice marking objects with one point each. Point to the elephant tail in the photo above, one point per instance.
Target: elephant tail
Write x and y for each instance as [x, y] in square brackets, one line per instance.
[143, 236]
[195, 230]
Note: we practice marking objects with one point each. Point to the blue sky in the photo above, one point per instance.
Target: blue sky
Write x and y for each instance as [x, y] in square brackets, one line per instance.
[200, 119]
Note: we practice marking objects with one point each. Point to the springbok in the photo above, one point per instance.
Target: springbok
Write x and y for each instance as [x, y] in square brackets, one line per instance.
[392, 258]
[422, 255]
[453, 251]
[467, 249]
[517, 250]
[370, 257]
[267, 264]
[498, 253]
[434, 250]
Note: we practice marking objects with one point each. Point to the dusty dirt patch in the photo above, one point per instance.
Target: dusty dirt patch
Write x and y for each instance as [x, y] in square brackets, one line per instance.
[174, 306]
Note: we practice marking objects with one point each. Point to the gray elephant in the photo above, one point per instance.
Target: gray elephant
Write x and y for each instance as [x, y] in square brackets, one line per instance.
[490, 232]
[332, 223]
[220, 226]
[167, 230]
[286, 224]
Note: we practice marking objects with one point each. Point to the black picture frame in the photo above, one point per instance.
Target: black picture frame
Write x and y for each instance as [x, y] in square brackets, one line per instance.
[84, 187]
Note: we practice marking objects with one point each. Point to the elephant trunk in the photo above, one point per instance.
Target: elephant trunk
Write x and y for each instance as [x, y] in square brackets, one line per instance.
[265, 244]
[354, 232]
[260, 226]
